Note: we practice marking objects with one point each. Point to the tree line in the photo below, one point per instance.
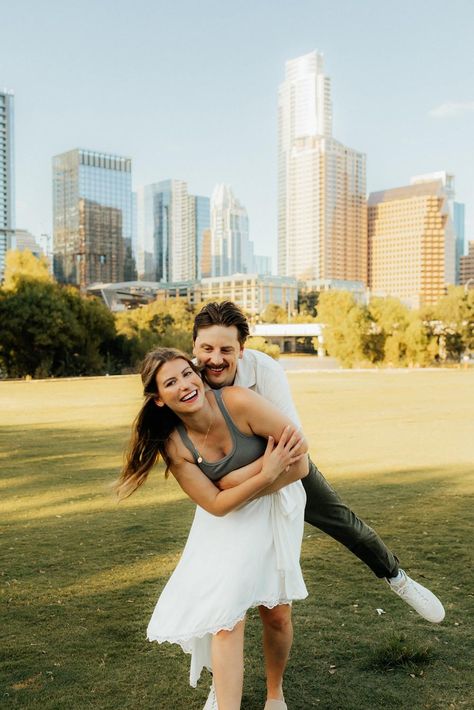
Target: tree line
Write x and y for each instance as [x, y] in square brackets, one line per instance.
[385, 331]
[51, 330]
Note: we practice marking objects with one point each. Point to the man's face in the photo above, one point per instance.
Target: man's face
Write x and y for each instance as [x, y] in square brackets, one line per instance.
[217, 350]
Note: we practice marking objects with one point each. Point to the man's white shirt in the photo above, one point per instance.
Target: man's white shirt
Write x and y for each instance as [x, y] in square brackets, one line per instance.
[259, 372]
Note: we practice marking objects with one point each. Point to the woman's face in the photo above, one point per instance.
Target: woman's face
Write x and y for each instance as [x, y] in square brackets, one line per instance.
[179, 387]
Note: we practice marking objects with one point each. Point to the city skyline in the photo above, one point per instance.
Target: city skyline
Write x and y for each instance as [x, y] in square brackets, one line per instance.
[204, 111]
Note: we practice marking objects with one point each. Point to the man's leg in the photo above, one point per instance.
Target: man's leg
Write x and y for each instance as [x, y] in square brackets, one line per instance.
[326, 511]
[277, 641]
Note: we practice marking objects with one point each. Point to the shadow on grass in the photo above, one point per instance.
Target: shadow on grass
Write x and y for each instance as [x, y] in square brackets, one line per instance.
[80, 586]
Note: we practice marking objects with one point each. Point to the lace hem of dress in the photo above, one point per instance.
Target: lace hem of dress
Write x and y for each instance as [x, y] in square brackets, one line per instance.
[214, 630]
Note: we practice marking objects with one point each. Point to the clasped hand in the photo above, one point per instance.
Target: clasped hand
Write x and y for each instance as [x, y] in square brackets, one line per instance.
[278, 458]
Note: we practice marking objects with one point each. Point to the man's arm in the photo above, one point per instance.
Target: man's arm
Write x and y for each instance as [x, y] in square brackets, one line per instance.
[271, 382]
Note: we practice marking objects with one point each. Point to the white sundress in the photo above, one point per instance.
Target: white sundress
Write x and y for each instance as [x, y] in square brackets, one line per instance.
[247, 558]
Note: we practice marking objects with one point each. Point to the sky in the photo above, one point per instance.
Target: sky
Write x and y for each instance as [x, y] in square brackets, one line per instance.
[188, 89]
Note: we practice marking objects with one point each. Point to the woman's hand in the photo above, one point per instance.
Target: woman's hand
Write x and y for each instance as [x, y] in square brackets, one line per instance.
[279, 458]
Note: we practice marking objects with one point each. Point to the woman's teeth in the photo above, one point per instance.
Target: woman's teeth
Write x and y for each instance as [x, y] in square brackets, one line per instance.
[189, 396]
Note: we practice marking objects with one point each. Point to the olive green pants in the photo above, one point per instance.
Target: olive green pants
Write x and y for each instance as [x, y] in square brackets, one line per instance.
[326, 511]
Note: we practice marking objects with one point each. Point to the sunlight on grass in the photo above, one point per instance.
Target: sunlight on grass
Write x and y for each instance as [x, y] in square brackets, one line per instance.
[63, 503]
[82, 572]
[123, 576]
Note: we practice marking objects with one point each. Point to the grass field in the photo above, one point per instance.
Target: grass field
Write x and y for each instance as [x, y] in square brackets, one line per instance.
[81, 574]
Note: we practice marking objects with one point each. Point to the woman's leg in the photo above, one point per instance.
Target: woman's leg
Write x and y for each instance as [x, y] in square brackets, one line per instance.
[277, 641]
[227, 650]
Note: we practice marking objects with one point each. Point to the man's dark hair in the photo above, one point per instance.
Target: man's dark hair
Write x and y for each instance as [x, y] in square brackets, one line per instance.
[225, 313]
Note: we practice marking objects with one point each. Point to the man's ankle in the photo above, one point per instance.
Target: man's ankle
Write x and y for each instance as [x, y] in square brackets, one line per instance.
[396, 578]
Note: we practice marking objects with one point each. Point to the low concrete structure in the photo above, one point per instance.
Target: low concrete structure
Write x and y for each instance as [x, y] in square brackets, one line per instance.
[287, 335]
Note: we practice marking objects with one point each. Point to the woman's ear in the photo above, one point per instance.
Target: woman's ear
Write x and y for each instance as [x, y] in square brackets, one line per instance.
[159, 402]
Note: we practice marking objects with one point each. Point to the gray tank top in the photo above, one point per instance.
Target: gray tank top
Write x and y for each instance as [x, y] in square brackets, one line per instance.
[246, 448]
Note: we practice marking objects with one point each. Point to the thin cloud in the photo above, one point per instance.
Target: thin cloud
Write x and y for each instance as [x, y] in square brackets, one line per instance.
[452, 109]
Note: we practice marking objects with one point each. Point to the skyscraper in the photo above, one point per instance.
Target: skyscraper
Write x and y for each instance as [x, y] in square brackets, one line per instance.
[467, 267]
[456, 212]
[201, 224]
[411, 243]
[168, 219]
[231, 249]
[92, 216]
[7, 176]
[322, 227]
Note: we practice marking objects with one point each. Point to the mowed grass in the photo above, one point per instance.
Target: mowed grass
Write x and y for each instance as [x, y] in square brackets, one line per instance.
[81, 574]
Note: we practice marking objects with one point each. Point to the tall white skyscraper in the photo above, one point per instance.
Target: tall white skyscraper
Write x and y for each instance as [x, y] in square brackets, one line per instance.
[7, 176]
[322, 223]
[231, 249]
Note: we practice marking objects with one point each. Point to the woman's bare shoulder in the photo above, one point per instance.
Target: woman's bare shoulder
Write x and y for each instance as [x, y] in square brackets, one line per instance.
[176, 450]
[240, 399]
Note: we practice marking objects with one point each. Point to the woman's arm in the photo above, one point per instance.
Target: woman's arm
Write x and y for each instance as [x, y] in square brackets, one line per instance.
[296, 472]
[254, 414]
[203, 492]
[240, 475]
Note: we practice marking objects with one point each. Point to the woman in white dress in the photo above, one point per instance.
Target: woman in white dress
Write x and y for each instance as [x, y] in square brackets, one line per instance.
[244, 544]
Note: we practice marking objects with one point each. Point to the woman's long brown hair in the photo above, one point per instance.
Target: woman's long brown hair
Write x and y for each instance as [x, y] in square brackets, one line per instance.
[152, 426]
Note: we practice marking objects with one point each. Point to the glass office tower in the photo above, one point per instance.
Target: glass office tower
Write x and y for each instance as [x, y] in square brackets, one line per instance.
[7, 177]
[171, 231]
[92, 217]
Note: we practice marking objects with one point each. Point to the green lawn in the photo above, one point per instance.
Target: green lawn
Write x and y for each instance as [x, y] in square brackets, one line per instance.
[81, 574]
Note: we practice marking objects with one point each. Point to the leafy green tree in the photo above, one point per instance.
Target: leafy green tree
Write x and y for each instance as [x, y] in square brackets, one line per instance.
[274, 314]
[308, 304]
[454, 314]
[420, 349]
[347, 334]
[24, 264]
[160, 323]
[256, 342]
[391, 319]
[48, 330]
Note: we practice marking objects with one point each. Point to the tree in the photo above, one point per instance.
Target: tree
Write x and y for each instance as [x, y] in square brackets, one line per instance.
[308, 303]
[160, 323]
[420, 349]
[391, 319]
[48, 330]
[274, 314]
[24, 264]
[347, 334]
[258, 343]
[455, 314]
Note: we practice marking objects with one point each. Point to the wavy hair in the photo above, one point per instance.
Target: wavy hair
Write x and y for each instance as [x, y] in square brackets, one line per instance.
[152, 426]
[227, 314]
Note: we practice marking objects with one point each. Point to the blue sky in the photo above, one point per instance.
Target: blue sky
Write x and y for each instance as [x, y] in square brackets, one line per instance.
[188, 89]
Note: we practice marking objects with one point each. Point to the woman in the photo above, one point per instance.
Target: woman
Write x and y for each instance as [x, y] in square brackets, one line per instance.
[242, 550]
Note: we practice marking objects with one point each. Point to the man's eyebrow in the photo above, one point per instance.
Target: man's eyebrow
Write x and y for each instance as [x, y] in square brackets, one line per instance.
[221, 347]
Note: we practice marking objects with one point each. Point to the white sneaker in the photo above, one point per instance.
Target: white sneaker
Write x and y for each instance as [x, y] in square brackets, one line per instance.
[421, 599]
[211, 702]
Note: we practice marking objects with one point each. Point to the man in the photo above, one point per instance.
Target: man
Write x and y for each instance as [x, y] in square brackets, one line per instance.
[219, 335]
